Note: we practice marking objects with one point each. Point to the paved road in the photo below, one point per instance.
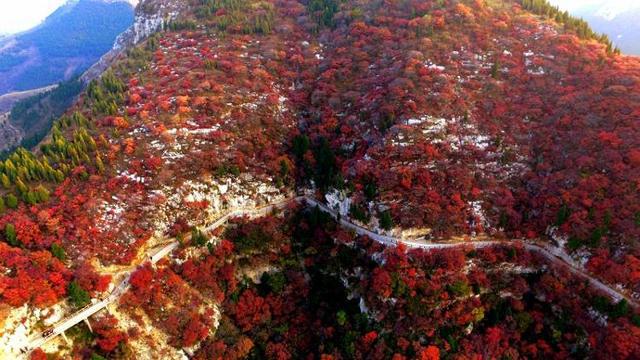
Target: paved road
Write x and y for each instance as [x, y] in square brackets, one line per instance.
[99, 304]
[95, 306]
[544, 250]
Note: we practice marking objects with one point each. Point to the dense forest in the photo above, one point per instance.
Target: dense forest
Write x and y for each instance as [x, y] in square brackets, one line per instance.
[433, 122]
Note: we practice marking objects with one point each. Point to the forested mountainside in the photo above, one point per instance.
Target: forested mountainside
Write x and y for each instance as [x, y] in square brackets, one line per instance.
[74, 26]
[323, 179]
[67, 42]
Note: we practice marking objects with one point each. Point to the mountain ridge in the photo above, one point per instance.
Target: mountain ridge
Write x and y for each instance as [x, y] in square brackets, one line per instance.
[69, 39]
[443, 123]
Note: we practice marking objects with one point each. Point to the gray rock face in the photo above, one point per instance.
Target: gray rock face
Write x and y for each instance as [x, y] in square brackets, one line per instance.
[151, 16]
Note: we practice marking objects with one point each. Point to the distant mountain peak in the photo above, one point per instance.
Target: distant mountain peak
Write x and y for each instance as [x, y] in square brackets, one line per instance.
[133, 3]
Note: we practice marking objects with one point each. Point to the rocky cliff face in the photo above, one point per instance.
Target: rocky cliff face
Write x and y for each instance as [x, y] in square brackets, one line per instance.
[151, 16]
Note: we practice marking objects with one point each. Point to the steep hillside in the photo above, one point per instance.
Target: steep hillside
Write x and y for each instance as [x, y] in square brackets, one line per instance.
[34, 115]
[7, 100]
[65, 44]
[31, 119]
[357, 179]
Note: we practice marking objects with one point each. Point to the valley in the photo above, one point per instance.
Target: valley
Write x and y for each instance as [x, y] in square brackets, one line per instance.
[8, 100]
[64, 45]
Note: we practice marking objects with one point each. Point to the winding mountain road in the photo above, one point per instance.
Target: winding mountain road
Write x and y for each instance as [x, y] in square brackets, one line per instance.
[543, 249]
[99, 304]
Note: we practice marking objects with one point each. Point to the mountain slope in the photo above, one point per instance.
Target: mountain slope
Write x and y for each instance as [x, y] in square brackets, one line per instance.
[31, 118]
[429, 122]
[65, 44]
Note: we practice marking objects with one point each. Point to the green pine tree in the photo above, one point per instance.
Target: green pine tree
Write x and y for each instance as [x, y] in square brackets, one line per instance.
[12, 201]
[6, 183]
[78, 296]
[386, 222]
[58, 252]
[11, 235]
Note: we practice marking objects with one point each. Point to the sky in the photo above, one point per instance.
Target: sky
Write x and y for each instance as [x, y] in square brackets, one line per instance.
[20, 15]
[607, 9]
[573, 4]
